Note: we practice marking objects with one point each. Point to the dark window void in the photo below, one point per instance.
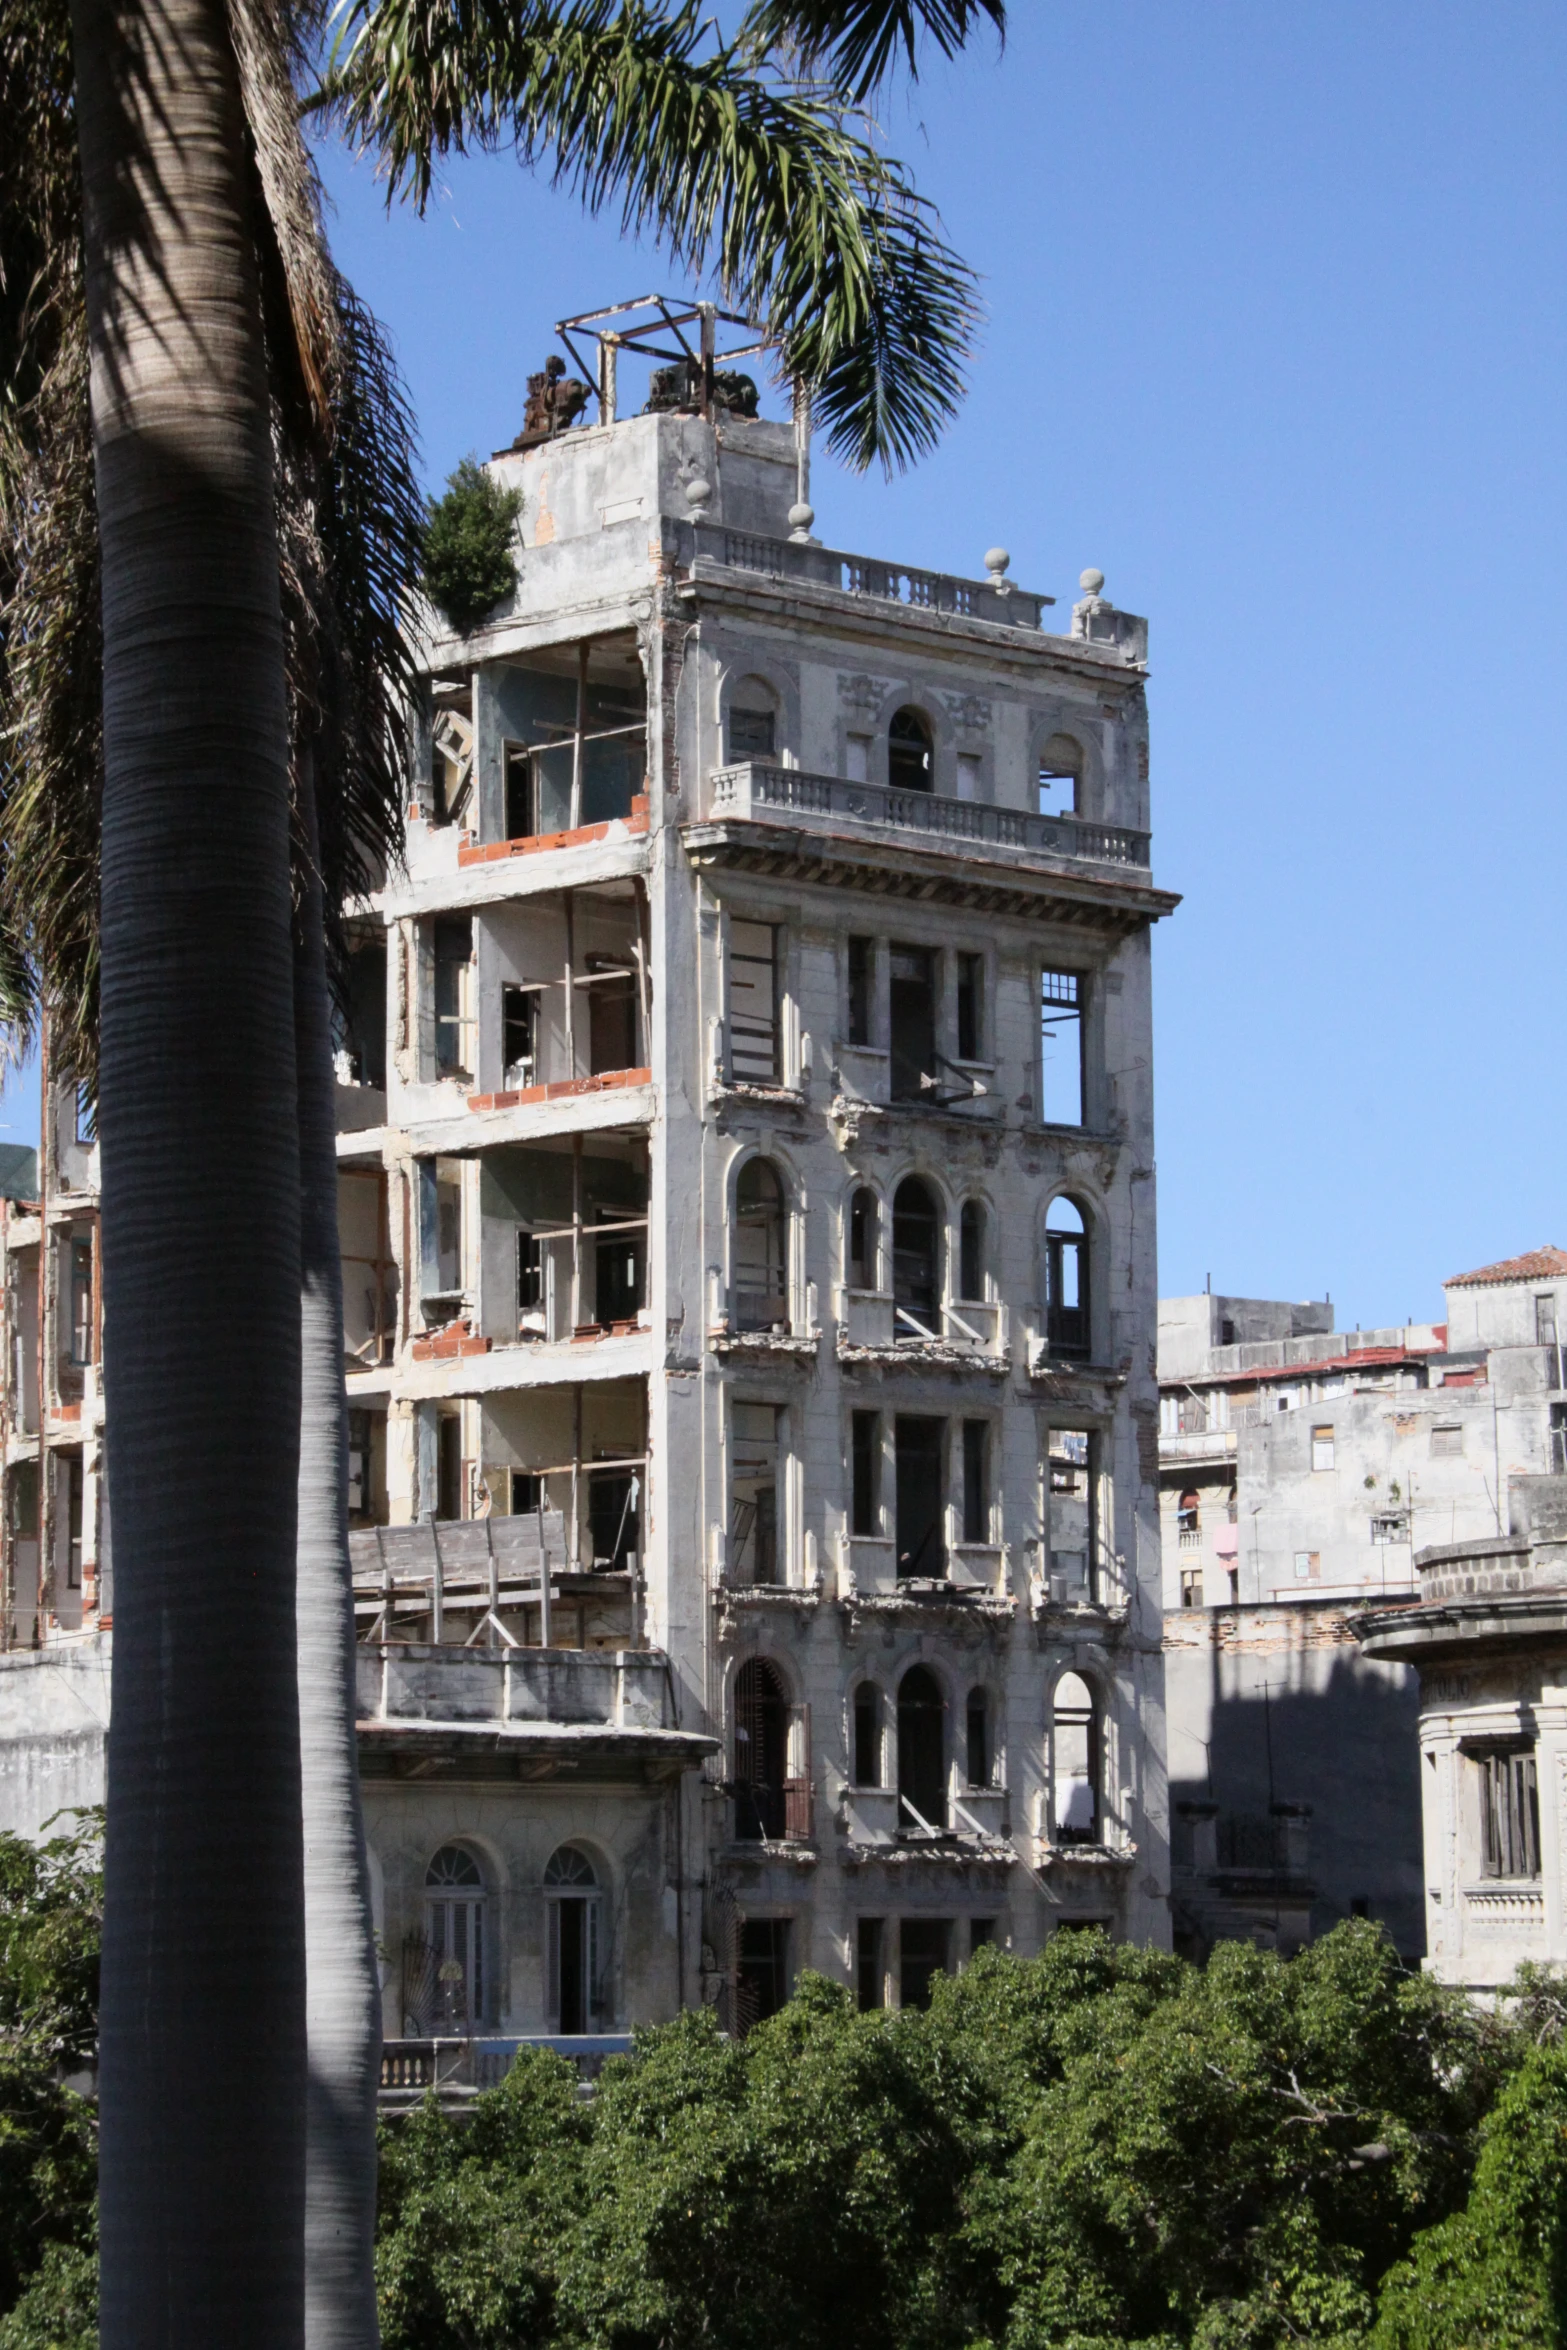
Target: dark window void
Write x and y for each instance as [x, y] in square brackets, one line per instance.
[1509, 1814]
[971, 1251]
[922, 1956]
[761, 1753]
[922, 1761]
[753, 1003]
[1061, 1048]
[865, 1472]
[81, 1324]
[863, 1221]
[449, 1466]
[453, 942]
[916, 1254]
[360, 1023]
[867, 1735]
[909, 765]
[760, 1270]
[912, 996]
[976, 1481]
[1070, 1505]
[522, 799]
[613, 1495]
[1075, 1757]
[762, 1980]
[981, 1933]
[920, 1544]
[862, 967]
[977, 1729]
[971, 1007]
[75, 1489]
[870, 1969]
[617, 1278]
[612, 1015]
[520, 1037]
[1066, 1283]
[753, 733]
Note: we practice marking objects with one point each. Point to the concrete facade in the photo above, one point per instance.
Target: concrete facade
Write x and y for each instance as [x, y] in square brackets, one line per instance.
[748, 1231]
[1300, 1468]
[1487, 1641]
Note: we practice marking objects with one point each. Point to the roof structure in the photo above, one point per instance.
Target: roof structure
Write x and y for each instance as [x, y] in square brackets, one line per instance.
[1537, 1264]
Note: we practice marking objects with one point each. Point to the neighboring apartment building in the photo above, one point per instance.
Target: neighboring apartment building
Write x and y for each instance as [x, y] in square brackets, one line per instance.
[1488, 1642]
[1301, 1468]
[748, 1240]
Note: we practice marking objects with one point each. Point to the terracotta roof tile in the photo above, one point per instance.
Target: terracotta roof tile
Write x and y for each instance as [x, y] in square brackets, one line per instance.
[1538, 1264]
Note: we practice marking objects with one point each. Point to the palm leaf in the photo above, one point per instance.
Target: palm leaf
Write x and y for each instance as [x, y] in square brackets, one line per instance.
[768, 184]
[858, 42]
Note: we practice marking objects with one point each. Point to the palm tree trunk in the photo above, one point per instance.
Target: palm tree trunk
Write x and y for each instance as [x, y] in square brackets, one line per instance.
[202, 2073]
[343, 1992]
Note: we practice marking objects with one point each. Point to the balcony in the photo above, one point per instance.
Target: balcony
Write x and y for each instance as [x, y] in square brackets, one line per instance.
[458, 2069]
[872, 1325]
[827, 804]
[605, 1715]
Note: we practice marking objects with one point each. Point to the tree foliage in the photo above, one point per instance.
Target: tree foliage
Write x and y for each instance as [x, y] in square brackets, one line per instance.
[470, 561]
[1101, 2146]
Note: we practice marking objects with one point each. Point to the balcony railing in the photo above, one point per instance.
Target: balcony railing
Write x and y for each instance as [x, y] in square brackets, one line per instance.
[755, 789]
[869, 1317]
[862, 575]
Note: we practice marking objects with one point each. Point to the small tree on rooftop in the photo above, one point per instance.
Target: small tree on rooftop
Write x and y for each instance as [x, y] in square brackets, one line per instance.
[468, 560]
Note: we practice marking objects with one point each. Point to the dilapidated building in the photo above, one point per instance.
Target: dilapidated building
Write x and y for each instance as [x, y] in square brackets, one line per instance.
[748, 1239]
[1302, 1470]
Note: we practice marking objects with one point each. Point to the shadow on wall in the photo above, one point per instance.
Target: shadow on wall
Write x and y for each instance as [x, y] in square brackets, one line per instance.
[1294, 1796]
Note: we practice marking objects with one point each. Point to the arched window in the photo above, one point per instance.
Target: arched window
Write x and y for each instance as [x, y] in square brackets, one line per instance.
[456, 1917]
[971, 1251]
[1188, 1520]
[761, 1752]
[1066, 1282]
[1075, 1763]
[572, 1899]
[753, 720]
[922, 1759]
[864, 1237]
[867, 1735]
[916, 1258]
[1061, 777]
[977, 1723]
[761, 1300]
[909, 748]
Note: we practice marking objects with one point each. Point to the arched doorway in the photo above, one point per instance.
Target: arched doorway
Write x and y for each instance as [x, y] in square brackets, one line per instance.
[1066, 1282]
[1075, 1762]
[760, 1261]
[456, 1910]
[910, 763]
[916, 1255]
[572, 1899]
[922, 1757]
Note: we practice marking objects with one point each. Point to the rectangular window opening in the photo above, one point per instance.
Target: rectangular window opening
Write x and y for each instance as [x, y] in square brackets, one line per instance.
[976, 1481]
[762, 1983]
[453, 941]
[865, 1463]
[1070, 1514]
[971, 1007]
[862, 968]
[1061, 1048]
[869, 1969]
[1322, 1448]
[753, 1494]
[753, 1004]
[923, 1945]
[519, 1037]
[752, 734]
[1510, 1813]
[921, 1544]
[912, 992]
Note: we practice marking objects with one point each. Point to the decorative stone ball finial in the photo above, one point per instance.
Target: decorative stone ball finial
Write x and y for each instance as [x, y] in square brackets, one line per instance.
[698, 495]
[800, 519]
[996, 563]
[1091, 582]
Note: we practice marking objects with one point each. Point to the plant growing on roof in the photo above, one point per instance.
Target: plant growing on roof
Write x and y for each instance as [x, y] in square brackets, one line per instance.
[469, 563]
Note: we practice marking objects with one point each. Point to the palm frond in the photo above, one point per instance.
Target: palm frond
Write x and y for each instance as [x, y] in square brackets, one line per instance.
[857, 43]
[770, 186]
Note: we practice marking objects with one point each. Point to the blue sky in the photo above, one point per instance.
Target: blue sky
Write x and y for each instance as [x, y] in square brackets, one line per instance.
[1277, 312]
